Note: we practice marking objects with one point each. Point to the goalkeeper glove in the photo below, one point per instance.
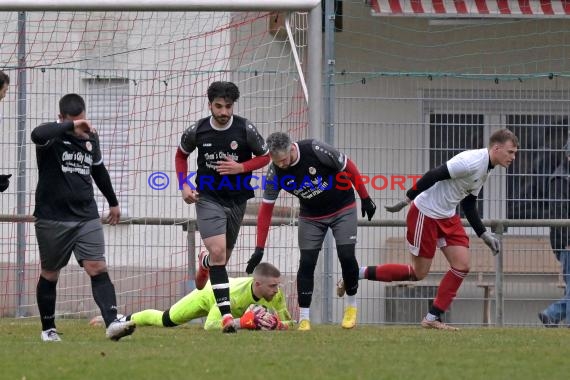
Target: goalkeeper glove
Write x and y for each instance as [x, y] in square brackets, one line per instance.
[254, 260]
[266, 321]
[492, 242]
[398, 206]
[368, 208]
[4, 182]
[247, 321]
[281, 325]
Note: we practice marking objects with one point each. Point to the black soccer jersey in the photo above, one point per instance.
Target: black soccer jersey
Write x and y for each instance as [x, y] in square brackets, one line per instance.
[65, 187]
[239, 141]
[313, 178]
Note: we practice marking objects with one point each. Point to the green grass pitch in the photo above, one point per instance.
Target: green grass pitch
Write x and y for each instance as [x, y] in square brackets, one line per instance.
[326, 352]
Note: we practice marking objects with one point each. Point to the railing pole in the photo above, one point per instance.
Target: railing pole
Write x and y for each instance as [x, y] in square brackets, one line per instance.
[190, 228]
[22, 196]
[499, 278]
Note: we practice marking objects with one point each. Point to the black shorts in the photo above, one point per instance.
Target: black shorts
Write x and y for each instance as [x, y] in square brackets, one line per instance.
[215, 219]
[56, 241]
[344, 226]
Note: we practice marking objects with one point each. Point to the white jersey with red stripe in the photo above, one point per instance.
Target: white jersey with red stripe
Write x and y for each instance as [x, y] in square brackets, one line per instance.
[469, 171]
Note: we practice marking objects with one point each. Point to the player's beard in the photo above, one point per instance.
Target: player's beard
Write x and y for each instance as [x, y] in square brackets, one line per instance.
[222, 120]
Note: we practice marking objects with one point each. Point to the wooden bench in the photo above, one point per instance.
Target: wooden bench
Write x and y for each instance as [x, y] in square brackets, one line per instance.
[521, 255]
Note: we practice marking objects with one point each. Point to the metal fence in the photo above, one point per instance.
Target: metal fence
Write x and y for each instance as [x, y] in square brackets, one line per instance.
[400, 95]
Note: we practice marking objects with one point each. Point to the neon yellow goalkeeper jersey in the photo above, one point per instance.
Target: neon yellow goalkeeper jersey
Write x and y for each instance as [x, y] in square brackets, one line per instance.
[241, 296]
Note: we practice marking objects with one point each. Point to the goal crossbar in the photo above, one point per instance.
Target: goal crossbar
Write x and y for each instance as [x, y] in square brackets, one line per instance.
[159, 5]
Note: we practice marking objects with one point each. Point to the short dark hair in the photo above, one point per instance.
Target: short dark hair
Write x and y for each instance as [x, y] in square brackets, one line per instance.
[4, 79]
[502, 136]
[71, 105]
[278, 142]
[227, 90]
[266, 270]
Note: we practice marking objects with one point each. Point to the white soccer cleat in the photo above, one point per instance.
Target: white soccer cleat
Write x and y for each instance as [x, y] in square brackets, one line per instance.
[118, 329]
[50, 335]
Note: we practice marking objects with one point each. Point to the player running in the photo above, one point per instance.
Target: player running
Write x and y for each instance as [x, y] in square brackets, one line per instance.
[432, 221]
[226, 145]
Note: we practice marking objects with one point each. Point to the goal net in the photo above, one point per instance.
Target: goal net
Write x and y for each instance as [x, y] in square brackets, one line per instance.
[144, 77]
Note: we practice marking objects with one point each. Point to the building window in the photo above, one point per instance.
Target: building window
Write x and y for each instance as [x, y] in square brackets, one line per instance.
[541, 151]
[108, 109]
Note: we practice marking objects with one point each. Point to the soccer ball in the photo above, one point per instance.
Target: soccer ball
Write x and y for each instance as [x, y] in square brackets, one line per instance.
[257, 309]
[98, 320]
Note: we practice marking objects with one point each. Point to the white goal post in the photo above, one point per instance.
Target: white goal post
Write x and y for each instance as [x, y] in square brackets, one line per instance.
[159, 5]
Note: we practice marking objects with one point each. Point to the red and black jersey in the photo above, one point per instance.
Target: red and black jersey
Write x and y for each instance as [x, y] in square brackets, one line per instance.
[65, 187]
[239, 141]
[313, 178]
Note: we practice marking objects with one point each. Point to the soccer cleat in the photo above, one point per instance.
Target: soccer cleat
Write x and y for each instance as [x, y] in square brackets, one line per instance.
[349, 319]
[203, 273]
[50, 335]
[118, 329]
[304, 325]
[228, 326]
[546, 321]
[438, 325]
[340, 290]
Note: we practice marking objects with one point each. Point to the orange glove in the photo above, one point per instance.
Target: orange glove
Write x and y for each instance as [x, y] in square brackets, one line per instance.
[247, 321]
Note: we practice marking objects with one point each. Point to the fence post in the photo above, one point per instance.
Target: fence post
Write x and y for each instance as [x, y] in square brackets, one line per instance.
[190, 228]
[22, 195]
[499, 229]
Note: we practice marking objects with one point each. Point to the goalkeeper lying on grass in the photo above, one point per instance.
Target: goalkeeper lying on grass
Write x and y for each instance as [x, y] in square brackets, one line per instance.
[257, 304]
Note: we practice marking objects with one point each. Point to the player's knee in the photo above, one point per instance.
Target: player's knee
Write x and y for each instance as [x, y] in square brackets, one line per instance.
[347, 257]
[166, 321]
[463, 267]
[346, 252]
[420, 274]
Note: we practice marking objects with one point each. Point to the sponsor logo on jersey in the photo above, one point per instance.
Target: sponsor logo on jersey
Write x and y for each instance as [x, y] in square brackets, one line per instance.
[234, 145]
[89, 146]
[207, 144]
[312, 170]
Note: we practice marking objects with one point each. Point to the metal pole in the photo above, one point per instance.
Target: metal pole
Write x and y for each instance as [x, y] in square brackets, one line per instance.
[314, 74]
[190, 228]
[499, 277]
[21, 181]
[329, 117]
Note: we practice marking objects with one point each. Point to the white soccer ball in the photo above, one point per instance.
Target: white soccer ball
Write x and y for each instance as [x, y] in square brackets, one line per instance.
[99, 321]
